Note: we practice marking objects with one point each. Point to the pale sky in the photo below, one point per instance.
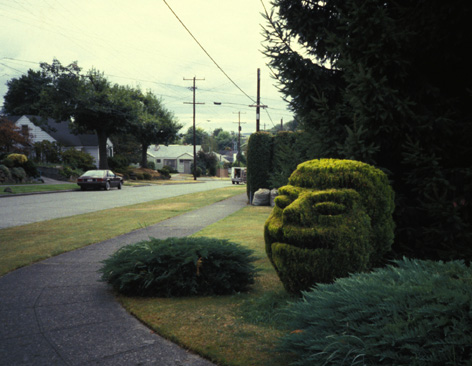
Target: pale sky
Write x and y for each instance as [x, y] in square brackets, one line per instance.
[141, 43]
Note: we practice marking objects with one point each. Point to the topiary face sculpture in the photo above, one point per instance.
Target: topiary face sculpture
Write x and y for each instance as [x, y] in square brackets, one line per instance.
[334, 218]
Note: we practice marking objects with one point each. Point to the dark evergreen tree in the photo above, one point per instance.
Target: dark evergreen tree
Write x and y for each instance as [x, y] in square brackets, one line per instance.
[388, 83]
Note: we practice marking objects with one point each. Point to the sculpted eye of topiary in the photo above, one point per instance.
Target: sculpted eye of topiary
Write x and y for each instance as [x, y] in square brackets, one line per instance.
[334, 218]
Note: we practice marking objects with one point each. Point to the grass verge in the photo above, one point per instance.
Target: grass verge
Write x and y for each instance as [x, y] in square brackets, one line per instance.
[34, 188]
[236, 330]
[23, 245]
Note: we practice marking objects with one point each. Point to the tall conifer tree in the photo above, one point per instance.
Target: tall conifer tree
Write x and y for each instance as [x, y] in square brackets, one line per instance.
[388, 83]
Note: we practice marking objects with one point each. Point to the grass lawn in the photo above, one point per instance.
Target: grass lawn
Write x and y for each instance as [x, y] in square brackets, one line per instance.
[236, 330]
[32, 188]
[23, 245]
[241, 329]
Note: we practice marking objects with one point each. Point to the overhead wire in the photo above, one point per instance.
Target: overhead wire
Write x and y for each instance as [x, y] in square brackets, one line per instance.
[206, 52]
[174, 94]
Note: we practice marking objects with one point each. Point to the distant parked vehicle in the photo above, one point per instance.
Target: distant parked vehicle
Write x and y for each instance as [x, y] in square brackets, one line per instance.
[238, 175]
[96, 179]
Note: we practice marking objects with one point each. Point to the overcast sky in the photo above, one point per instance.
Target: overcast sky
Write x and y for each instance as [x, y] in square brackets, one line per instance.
[142, 43]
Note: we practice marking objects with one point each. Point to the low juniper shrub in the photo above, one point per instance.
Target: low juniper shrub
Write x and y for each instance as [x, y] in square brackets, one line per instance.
[180, 267]
[410, 313]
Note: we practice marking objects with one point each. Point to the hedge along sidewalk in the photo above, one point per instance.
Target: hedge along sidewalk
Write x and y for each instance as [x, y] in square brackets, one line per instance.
[23, 245]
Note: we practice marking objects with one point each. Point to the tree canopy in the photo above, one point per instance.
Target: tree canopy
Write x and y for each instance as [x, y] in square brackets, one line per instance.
[154, 124]
[387, 83]
[91, 103]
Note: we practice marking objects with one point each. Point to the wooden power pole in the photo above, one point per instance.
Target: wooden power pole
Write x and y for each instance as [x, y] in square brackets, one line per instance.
[194, 88]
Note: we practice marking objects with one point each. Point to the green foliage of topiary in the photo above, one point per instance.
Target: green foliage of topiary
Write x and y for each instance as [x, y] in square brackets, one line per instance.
[180, 267]
[372, 184]
[412, 313]
[334, 218]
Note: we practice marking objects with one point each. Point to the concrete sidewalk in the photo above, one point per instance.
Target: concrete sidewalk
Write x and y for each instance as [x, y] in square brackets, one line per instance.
[56, 312]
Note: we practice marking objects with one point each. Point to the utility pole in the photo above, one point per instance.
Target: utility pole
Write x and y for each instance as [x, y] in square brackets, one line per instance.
[239, 134]
[258, 101]
[194, 88]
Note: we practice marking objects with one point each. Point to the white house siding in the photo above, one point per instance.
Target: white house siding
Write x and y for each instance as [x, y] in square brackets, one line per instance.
[92, 150]
[179, 157]
[36, 133]
[62, 135]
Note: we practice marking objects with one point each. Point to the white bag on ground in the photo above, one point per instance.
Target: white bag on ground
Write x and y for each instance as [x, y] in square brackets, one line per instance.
[261, 197]
[273, 193]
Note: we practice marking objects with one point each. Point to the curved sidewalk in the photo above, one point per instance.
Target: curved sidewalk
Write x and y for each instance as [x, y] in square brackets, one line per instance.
[56, 312]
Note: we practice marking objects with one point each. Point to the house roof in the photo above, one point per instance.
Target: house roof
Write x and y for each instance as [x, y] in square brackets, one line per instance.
[60, 131]
[171, 151]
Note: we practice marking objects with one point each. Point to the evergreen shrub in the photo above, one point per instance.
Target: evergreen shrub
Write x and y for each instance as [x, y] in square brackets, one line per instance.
[411, 313]
[78, 159]
[165, 171]
[18, 174]
[15, 160]
[5, 173]
[180, 267]
[334, 218]
[259, 162]
[118, 162]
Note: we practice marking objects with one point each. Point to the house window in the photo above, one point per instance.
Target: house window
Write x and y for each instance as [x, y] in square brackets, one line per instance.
[25, 130]
[158, 161]
[171, 162]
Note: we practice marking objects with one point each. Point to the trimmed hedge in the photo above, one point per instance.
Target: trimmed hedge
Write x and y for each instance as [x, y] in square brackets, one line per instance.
[411, 313]
[180, 267]
[259, 162]
[334, 218]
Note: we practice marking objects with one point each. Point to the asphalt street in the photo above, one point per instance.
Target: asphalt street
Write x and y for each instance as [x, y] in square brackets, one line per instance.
[21, 210]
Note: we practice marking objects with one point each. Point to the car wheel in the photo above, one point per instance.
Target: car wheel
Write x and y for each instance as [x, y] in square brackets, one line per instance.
[107, 186]
[82, 188]
[120, 184]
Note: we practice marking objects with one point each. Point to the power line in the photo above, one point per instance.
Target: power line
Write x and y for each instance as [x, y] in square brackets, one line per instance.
[204, 50]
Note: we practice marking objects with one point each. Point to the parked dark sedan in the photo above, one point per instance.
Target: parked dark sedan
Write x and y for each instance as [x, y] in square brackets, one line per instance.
[99, 179]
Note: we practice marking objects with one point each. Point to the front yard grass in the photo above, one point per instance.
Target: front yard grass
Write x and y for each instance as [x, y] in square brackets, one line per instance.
[26, 244]
[236, 330]
[34, 188]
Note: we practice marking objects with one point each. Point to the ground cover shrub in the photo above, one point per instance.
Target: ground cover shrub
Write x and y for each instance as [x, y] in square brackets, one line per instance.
[332, 219]
[180, 267]
[410, 313]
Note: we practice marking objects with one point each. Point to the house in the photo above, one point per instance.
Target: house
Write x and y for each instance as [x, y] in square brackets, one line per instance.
[179, 157]
[60, 133]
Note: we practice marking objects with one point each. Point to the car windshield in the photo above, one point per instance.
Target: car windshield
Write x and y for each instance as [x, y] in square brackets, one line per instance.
[94, 173]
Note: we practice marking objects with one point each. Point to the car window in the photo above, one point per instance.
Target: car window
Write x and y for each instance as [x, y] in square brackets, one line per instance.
[94, 173]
